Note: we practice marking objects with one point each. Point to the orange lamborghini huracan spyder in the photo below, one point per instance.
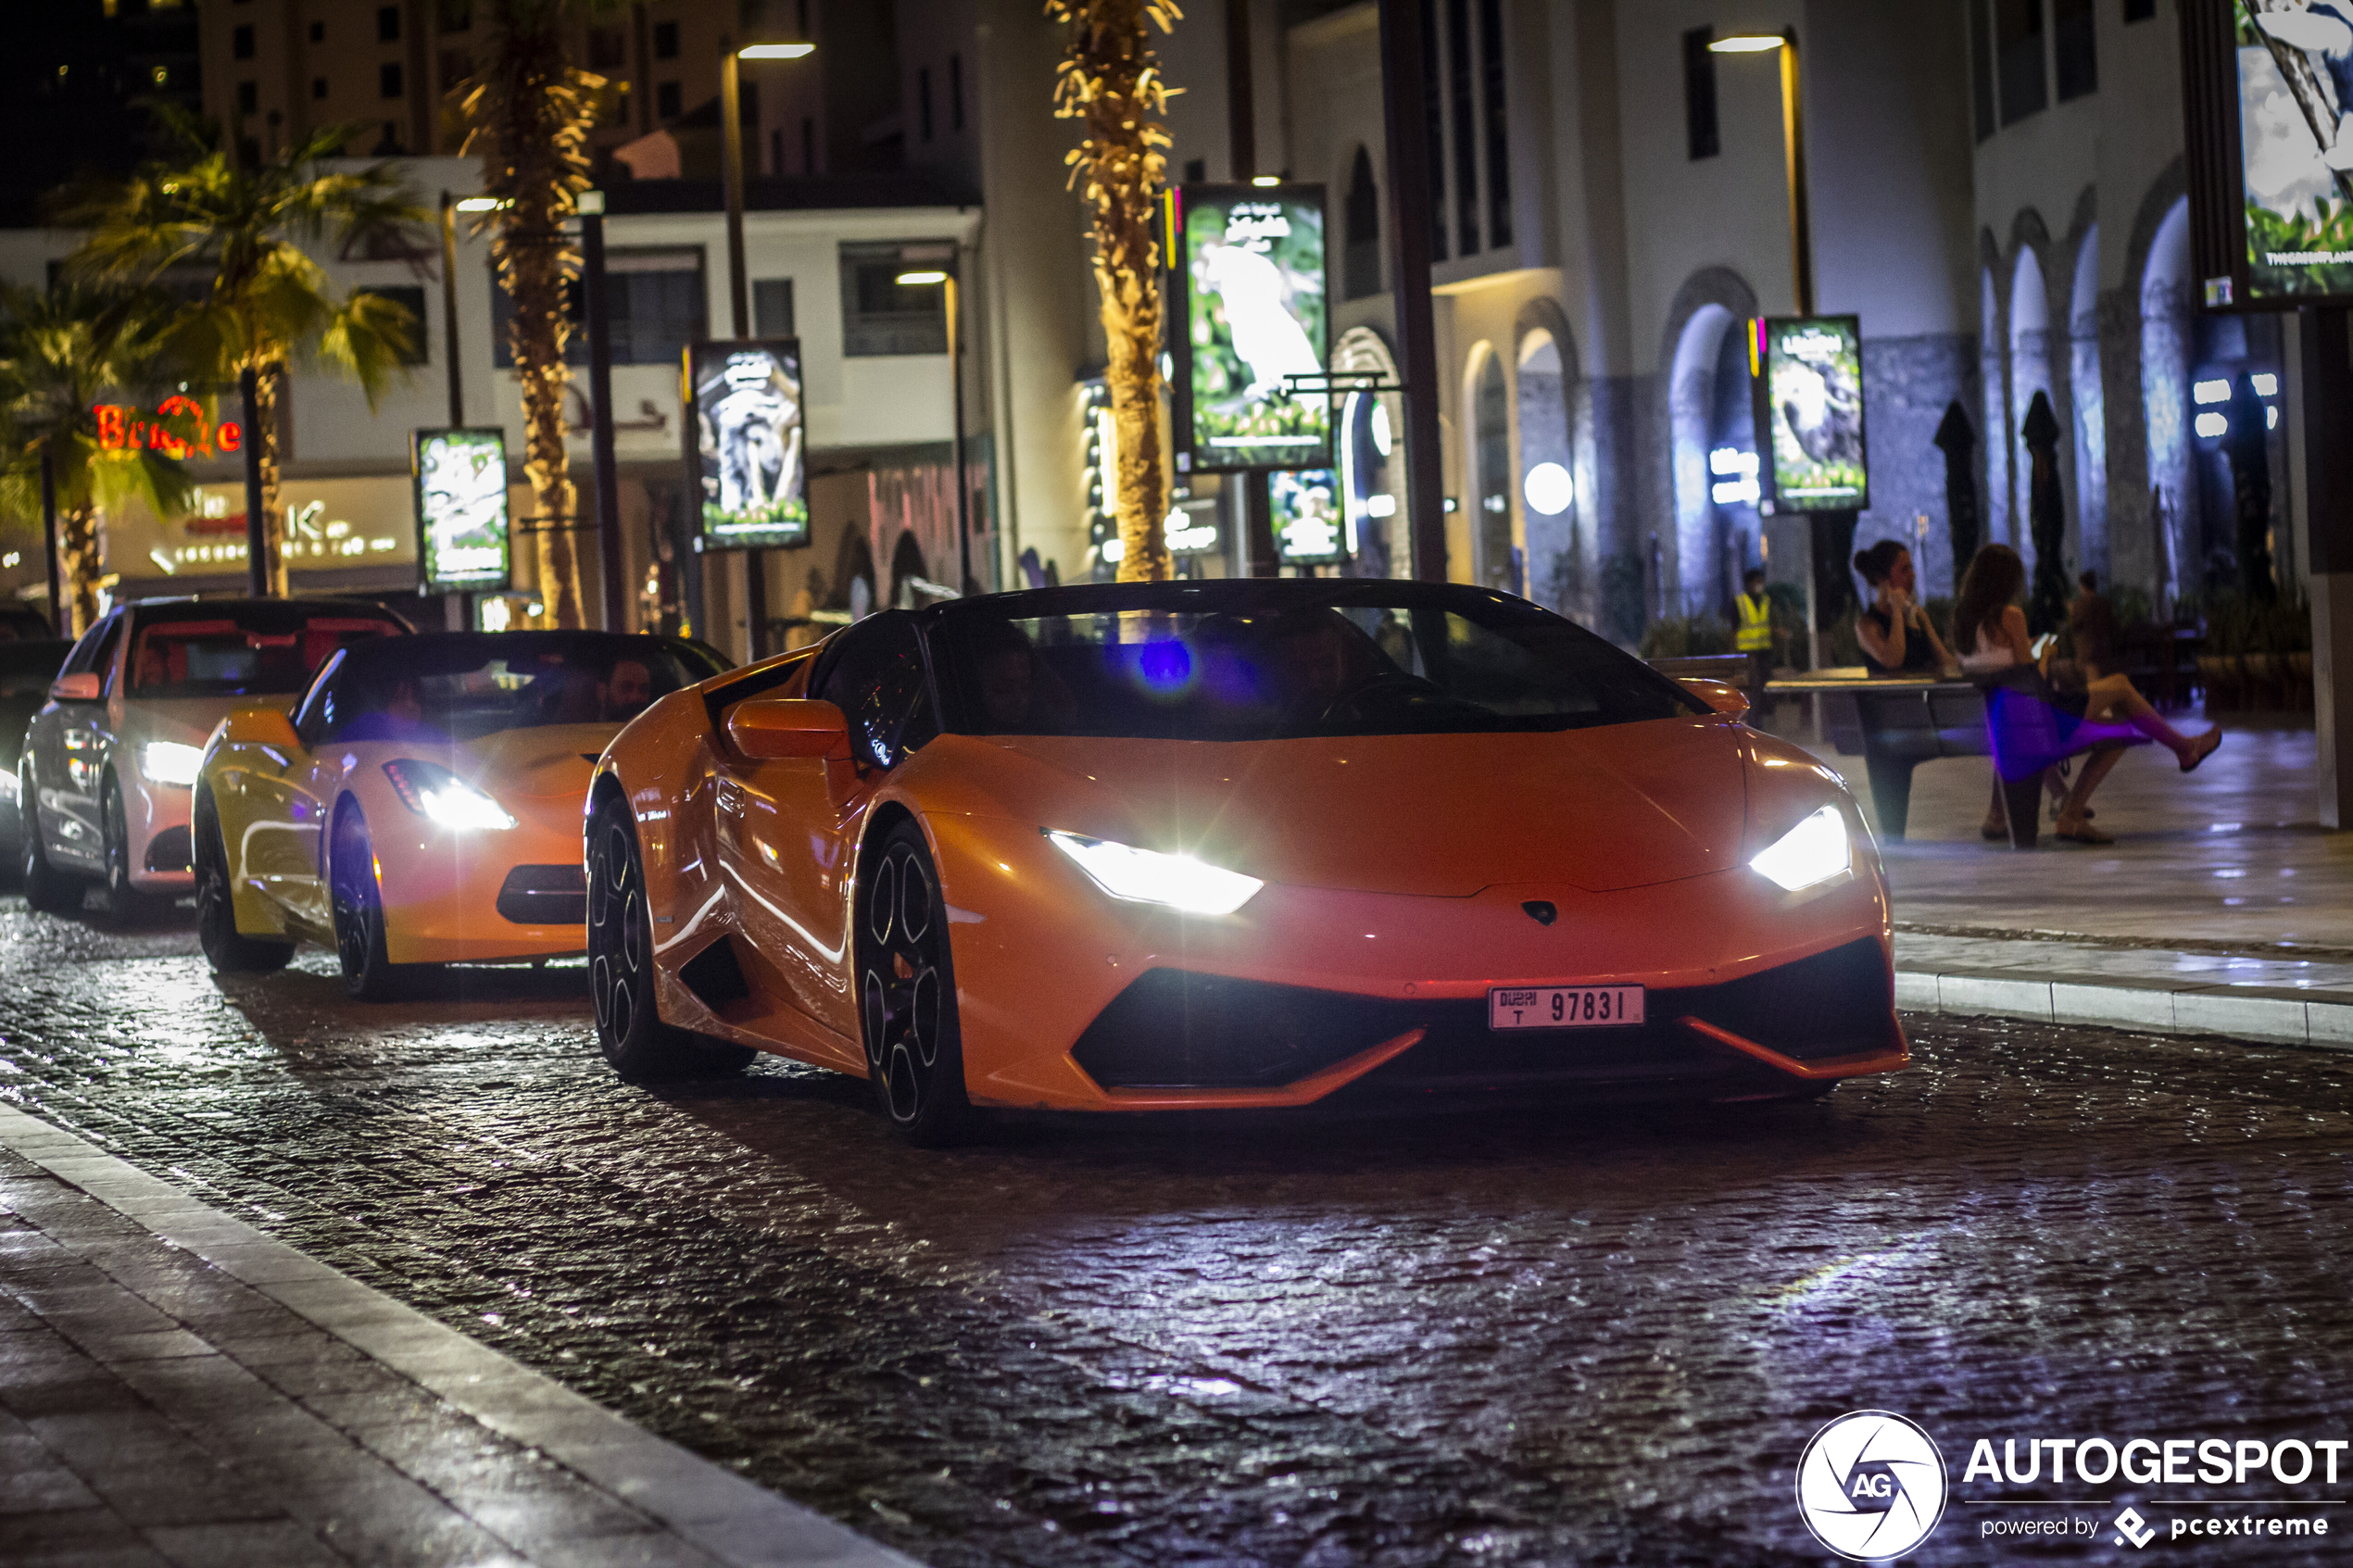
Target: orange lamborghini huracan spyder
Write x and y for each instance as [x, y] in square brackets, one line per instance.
[1238, 843]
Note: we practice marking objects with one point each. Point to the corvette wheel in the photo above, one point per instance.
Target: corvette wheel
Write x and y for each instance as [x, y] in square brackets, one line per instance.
[46, 889]
[358, 907]
[641, 1047]
[907, 994]
[125, 903]
[228, 951]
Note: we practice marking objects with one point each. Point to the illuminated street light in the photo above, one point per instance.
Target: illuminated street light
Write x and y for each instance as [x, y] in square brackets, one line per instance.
[775, 51]
[923, 278]
[1746, 44]
[1794, 139]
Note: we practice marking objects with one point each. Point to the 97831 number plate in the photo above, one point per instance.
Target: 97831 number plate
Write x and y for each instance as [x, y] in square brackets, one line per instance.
[1563, 1007]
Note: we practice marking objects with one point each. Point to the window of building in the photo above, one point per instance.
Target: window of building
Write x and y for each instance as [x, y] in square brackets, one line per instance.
[1360, 258]
[249, 97]
[456, 66]
[410, 298]
[2140, 11]
[665, 41]
[881, 315]
[318, 87]
[1465, 128]
[1491, 105]
[653, 304]
[1196, 170]
[666, 101]
[455, 15]
[389, 83]
[387, 24]
[922, 102]
[317, 32]
[2074, 28]
[1700, 130]
[241, 42]
[1434, 110]
[1981, 65]
[2018, 58]
[955, 92]
[771, 306]
[608, 48]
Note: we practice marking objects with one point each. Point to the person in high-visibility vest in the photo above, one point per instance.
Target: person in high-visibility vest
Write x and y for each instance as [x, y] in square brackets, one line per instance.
[1754, 634]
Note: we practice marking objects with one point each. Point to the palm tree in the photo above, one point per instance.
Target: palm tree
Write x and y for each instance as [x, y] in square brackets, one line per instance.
[1110, 81]
[246, 237]
[61, 353]
[528, 112]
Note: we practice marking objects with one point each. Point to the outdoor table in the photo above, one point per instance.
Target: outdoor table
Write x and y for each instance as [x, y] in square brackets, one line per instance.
[1896, 723]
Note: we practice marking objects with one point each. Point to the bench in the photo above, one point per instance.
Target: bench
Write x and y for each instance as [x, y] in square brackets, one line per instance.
[1894, 725]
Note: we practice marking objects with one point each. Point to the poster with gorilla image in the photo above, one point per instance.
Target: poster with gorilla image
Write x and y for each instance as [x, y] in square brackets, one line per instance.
[1253, 311]
[1807, 377]
[744, 409]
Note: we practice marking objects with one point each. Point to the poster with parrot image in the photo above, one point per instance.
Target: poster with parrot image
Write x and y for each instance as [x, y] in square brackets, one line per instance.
[1254, 315]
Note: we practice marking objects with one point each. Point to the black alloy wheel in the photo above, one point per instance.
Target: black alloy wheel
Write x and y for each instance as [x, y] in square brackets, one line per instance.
[907, 994]
[359, 907]
[639, 1046]
[46, 889]
[228, 950]
[125, 904]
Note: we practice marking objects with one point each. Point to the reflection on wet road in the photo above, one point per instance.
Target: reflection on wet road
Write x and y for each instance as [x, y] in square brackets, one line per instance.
[1518, 1334]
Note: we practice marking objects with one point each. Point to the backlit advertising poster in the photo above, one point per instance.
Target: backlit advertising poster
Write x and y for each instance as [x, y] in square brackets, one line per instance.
[1310, 525]
[2294, 71]
[463, 538]
[1807, 372]
[744, 408]
[1254, 313]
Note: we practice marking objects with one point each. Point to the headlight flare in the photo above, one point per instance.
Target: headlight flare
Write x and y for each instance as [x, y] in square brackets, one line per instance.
[1146, 876]
[1817, 849]
[433, 791]
[169, 762]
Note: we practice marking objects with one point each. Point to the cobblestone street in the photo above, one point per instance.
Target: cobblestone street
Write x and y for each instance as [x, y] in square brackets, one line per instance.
[1512, 1335]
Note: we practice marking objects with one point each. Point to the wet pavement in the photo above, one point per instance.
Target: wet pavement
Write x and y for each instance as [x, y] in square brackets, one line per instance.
[1525, 1335]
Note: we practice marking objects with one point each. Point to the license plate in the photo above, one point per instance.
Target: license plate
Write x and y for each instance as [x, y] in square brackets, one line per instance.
[1563, 1007]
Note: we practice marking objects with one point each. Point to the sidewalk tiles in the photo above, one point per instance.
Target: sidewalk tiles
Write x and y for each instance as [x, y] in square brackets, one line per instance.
[178, 1388]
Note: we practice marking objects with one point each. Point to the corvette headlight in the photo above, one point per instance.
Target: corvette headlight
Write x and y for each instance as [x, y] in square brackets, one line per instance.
[1815, 850]
[169, 762]
[431, 790]
[1146, 876]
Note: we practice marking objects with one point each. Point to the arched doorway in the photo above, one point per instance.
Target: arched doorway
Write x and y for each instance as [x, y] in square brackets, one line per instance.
[1994, 367]
[2091, 407]
[1496, 560]
[1546, 467]
[2029, 342]
[2165, 395]
[1372, 457]
[906, 565]
[1708, 413]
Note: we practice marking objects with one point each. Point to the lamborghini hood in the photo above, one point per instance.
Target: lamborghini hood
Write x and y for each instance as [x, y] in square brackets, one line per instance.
[1444, 815]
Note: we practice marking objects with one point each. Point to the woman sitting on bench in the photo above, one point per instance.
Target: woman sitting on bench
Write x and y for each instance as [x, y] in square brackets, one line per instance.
[1991, 630]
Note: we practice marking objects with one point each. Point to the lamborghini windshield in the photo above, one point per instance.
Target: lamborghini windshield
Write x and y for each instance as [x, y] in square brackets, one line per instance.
[461, 685]
[1257, 660]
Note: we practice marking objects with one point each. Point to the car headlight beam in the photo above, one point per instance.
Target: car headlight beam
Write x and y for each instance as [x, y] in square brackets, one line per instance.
[1814, 851]
[1147, 877]
[433, 791]
[169, 762]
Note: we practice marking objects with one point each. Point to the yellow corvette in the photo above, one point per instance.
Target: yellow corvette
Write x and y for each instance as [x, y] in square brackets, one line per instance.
[422, 803]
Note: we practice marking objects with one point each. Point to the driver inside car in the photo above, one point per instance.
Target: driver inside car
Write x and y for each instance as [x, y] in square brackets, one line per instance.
[626, 691]
[1313, 657]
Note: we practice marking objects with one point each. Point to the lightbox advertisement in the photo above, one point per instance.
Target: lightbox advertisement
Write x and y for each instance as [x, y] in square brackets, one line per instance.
[1807, 374]
[2294, 67]
[744, 410]
[1254, 311]
[464, 533]
[1311, 526]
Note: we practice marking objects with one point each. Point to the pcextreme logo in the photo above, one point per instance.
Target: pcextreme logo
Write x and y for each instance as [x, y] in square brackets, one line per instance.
[1870, 1486]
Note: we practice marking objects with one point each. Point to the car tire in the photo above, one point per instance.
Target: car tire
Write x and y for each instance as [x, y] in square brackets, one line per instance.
[227, 950]
[126, 905]
[46, 889]
[638, 1044]
[907, 993]
[358, 905]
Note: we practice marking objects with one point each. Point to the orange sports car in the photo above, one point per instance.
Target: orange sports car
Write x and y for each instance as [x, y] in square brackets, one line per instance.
[1230, 844]
[420, 804]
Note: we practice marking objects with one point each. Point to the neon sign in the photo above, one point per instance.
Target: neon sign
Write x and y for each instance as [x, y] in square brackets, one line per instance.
[123, 431]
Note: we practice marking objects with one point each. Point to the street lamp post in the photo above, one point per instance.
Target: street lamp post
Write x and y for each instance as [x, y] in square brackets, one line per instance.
[600, 438]
[946, 280]
[731, 152]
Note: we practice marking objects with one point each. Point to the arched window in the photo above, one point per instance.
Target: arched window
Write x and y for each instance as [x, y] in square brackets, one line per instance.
[1360, 262]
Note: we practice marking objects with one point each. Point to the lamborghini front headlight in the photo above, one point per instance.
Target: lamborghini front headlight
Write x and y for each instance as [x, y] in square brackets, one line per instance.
[1815, 850]
[1147, 877]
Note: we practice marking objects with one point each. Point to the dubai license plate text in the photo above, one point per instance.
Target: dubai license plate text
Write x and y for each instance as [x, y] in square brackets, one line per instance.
[1563, 1007]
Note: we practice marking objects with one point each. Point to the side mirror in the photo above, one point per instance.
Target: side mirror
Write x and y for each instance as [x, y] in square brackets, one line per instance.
[83, 687]
[1721, 696]
[259, 726]
[772, 729]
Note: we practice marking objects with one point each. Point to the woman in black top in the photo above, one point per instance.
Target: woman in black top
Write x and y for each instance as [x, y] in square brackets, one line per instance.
[1895, 631]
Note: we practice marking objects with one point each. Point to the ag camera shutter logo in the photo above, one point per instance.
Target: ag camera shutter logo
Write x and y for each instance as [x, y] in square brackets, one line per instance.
[1870, 1486]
